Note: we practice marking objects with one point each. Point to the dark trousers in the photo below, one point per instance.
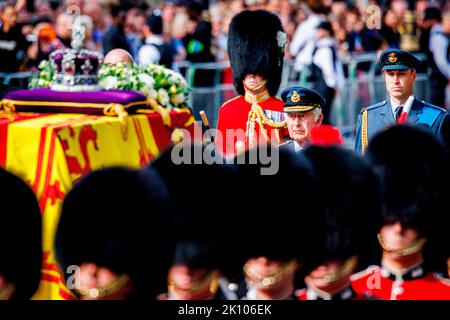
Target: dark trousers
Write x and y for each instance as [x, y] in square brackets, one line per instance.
[328, 94]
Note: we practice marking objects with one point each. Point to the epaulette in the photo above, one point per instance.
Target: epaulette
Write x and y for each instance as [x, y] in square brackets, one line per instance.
[368, 271]
[374, 106]
[433, 106]
[231, 100]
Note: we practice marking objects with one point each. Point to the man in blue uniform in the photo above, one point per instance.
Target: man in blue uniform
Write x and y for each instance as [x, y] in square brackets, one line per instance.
[399, 69]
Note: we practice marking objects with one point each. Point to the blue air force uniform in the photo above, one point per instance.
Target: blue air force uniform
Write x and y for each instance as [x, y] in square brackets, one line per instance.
[375, 118]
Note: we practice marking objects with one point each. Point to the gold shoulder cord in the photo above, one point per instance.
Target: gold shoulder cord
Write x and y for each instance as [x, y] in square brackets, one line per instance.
[364, 134]
[257, 115]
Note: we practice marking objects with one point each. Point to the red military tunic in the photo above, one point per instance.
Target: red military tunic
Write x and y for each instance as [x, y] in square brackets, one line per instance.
[345, 294]
[413, 285]
[233, 114]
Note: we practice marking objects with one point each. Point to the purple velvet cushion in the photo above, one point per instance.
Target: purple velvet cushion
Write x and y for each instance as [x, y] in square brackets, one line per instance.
[33, 100]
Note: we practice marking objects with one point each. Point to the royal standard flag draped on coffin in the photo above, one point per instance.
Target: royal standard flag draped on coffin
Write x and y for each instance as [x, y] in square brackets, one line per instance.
[52, 151]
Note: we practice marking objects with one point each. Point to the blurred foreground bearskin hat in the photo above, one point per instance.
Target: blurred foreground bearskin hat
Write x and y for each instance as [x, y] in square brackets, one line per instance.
[256, 46]
[114, 217]
[350, 193]
[410, 163]
[20, 237]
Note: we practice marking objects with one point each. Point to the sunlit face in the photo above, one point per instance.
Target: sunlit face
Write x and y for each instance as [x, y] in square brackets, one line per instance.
[263, 266]
[316, 278]
[400, 83]
[185, 278]
[300, 125]
[397, 236]
[6, 289]
[9, 16]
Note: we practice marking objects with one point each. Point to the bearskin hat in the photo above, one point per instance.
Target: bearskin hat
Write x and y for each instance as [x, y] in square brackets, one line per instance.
[21, 236]
[205, 203]
[113, 217]
[256, 46]
[350, 192]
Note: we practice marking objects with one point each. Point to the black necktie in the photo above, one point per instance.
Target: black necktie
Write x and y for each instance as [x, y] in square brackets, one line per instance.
[398, 112]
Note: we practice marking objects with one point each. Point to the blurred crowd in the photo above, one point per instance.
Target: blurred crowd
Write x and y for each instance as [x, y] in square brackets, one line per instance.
[196, 31]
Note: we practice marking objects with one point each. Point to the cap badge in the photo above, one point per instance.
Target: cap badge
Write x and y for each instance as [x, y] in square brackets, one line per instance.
[295, 97]
[392, 57]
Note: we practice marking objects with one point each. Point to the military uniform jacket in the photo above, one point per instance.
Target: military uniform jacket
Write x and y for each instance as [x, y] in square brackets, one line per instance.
[233, 114]
[373, 119]
[417, 284]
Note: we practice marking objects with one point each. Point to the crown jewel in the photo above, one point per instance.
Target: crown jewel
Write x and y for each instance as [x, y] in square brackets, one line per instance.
[75, 69]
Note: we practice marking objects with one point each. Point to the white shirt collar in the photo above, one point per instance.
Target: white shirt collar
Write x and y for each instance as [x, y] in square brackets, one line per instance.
[297, 147]
[393, 106]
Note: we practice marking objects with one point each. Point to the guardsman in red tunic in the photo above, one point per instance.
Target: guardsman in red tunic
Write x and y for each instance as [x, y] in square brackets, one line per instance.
[104, 261]
[409, 162]
[271, 261]
[256, 49]
[349, 190]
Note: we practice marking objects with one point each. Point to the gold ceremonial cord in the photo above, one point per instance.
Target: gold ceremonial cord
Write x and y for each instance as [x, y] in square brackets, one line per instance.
[109, 289]
[115, 109]
[272, 279]
[364, 133]
[257, 114]
[414, 247]
[343, 271]
[211, 279]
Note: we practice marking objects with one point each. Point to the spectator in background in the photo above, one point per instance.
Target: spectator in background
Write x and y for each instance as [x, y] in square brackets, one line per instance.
[20, 239]
[47, 42]
[302, 44]
[13, 44]
[177, 33]
[134, 30]
[118, 56]
[63, 32]
[439, 61]
[115, 36]
[359, 38]
[155, 49]
[326, 72]
[197, 42]
[199, 33]
[100, 18]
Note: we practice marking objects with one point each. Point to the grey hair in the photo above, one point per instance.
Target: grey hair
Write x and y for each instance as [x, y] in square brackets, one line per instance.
[317, 112]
